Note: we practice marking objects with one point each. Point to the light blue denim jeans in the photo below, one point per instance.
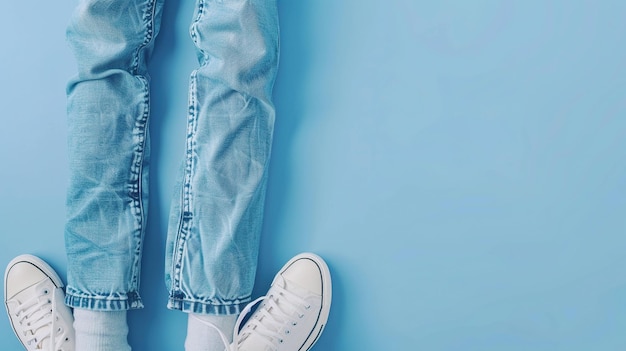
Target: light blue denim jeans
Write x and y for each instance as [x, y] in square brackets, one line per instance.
[216, 214]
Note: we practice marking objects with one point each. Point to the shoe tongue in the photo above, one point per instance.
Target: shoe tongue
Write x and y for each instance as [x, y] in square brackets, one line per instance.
[34, 292]
[254, 341]
[45, 344]
[291, 305]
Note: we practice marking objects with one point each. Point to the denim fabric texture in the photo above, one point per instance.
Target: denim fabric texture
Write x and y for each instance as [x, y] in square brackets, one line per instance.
[217, 209]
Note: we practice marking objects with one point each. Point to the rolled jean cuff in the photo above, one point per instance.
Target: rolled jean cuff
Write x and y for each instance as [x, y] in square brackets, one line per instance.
[112, 302]
[222, 308]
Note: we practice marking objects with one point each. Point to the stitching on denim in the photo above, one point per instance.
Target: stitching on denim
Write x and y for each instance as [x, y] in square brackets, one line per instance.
[143, 139]
[193, 30]
[148, 18]
[186, 214]
[226, 307]
[115, 301]
[140, 133]
[137, 173]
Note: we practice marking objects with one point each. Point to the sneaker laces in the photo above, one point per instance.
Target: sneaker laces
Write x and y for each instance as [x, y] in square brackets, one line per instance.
[271, 317]
[35, 316]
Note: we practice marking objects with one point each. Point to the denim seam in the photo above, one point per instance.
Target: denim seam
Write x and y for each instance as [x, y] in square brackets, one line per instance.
[223, 308]
[148, 18]
[186, 212]
[137, 170]
[194, 31]
[140, 133]
[120, 301]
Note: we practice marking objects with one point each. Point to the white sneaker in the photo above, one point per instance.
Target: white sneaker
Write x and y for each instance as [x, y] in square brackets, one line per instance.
[33, 295]
[294, 312]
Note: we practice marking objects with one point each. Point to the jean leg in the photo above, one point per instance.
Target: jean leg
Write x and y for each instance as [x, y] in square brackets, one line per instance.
[216, 216]
[108, 109]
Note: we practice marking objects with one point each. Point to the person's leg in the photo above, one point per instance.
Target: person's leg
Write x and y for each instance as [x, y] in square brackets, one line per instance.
[216, 216]
[108, 108]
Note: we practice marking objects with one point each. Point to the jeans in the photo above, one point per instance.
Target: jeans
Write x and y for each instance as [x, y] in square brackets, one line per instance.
[216, 213]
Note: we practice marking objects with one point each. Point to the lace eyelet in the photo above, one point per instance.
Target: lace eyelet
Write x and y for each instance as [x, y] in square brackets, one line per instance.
[287, 331]
[308, 307]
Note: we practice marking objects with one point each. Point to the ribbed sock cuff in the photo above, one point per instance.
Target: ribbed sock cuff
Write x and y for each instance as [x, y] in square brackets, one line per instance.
[101, 330]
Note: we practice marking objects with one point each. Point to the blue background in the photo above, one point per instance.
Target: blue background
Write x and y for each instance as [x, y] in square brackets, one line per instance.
[460, 164]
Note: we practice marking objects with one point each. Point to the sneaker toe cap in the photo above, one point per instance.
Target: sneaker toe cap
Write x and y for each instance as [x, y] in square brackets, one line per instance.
[22, 275]
[306, 273]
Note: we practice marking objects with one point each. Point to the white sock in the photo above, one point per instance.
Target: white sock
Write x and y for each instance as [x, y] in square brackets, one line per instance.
[202, 337]
[101, 330]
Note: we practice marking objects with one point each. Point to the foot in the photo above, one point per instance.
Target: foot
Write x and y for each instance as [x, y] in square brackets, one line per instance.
[34, 298]
[293, 314]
